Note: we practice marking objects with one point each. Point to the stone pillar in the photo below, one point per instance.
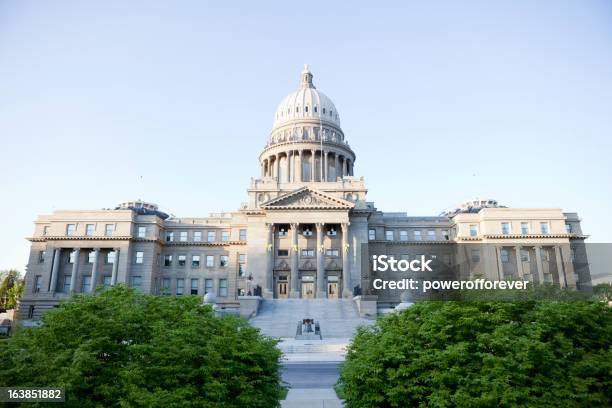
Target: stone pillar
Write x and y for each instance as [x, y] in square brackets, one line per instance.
[270, 260]
[560, 269]
[345, 167]
[287, 177]
[55, 270]
[538, 256]
[326, 167]
[347, 283]
[336, 167]
[94, 270]
[321, 292]
[295, 287]
[115, 267]
[75, 270]
[276, 163]
[351, 168]
[519, 262]
[500, 265]
[312, 166]
[298, 167]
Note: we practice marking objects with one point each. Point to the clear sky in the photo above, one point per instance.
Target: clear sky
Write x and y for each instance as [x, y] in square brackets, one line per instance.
[441, 101]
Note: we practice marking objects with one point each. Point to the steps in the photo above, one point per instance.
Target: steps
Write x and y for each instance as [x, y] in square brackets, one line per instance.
[312, 398]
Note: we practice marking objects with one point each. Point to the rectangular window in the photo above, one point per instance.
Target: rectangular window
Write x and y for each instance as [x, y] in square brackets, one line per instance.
[544, 228]
[180, 286]
[195, 261]
[475, 255]
[182, 260]
[71, 257]
[37, 283]
[197, 236]
[431, 235]
[223, 287]
[524, 255]
[139, 257]
[210, 261]
[141, 232]
[282, 231]
[109, 229]
[243, 235]
[212, 236]
[165, 289]
[241, 264]
[169, 236]
[136, 282]
[66, 288]
[331, 231]
[106, 281]
[504, 256]
[223, 260]
[110, 257]
[505, 228]
[183, 236]
[417, 235]
[332, 252]
[167, 260]
[89, 229]
[307, 252]
[372, 234]
[41, 256]
[307, 231]
[194, 286]
[225, 235]
[403, 235]
[568, 228]
[91, 257]
[283, 252]
[208, 286]
[86, 284]
[524, 228]
[389, 235]
[473, 230]
[70, 228]
[46, 230]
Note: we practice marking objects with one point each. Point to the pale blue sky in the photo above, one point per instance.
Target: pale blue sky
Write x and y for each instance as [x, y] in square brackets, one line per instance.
[441, 101]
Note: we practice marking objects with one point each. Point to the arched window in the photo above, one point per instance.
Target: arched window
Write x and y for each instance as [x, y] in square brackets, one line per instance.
[324, 111]
[315, 109]
[331, 113]
[306, 108]
[297, 108]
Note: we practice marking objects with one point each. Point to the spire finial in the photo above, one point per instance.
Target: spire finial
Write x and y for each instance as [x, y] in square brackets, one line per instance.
[306, 80]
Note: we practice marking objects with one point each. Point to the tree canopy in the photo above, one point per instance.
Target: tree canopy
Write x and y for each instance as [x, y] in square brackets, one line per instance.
[11, 289]
[122, 348]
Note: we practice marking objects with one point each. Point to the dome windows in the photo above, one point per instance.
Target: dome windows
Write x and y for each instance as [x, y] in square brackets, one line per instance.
[297, 109]
[331, 113]
[324, 111]
[306, 109]
[315, 109]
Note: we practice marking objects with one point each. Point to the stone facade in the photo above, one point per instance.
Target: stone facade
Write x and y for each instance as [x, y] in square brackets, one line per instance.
[306, 231]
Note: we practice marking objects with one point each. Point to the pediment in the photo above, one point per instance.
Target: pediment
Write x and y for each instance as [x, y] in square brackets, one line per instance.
[307, 198]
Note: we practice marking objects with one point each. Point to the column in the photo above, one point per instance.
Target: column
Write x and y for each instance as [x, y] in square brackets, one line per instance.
[270, 260]
[276, 160]
[519, 262]
[326, 167]
[347, 283]
[321, 292]
[345, 167]
[295, 288]
[75, 270]
[351, 169]
[55, 270]
[312, 166]
[500, 266]
[336, 167]
[538, 256]
[115, 267]
[560, 269]
[298, 167]
[287, 169]
[94, 270]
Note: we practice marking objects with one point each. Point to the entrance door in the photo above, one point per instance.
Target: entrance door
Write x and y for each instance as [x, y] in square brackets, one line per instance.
[281, 290]
[308, 290]
[332, 290]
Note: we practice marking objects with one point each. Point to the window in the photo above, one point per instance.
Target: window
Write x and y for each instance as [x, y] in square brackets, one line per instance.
[504, 255]
[505, 228]
[225, 235]
[106, 281]
[86, 284]
[283, 252]
[332, 232]
[332, 252]
[37, 283]
[473, 230]
[66, 288]
[167, 260]
[243, 235]
[182, 260]
[208, 286]
[110, 257]
[431, 235]
[139, 257]
[544, 256]
[72, 257]
[194, 286]
[136, 282]
[315, 109]
[307, 231]
[524, 255]
[568, 228]
[417, 235]
[183, 236]
[212, 236]
[91, 257]
[524, 228]
[222, 287]
[89, 229]
[195, 261]
[141, 232]
[70, 228]
[475, 255]
[403, 235]
[41, 256]
[109, 229]
[445, 235]
[282, 231]
[210, 261]
[544, 228]
[241, 264]
[165, 289]
[389, 235]
[223, 260]
[307, 252]
[46, 230]
[180, 286]
[169, 236]
[197, 236]
[372, 234]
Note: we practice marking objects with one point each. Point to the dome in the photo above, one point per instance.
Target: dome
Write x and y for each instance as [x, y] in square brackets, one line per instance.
[306, 103]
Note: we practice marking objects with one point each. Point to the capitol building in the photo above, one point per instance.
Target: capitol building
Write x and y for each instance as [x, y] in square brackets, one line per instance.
[307, 230]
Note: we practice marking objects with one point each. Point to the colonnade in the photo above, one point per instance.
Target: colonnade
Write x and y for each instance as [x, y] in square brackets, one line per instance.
[305, 165]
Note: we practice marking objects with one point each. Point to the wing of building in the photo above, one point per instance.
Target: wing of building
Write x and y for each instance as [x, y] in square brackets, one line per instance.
[307, 230]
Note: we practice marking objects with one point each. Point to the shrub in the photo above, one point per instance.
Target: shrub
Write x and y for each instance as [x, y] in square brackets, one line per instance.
[121, 348]
[543, 353]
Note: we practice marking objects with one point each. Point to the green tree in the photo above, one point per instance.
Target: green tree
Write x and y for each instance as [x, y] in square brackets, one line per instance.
[120, 348]
[11, 289]
[603, 291]
[538, 353]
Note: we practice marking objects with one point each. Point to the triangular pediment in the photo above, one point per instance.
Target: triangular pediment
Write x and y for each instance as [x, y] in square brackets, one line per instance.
[307, 198]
